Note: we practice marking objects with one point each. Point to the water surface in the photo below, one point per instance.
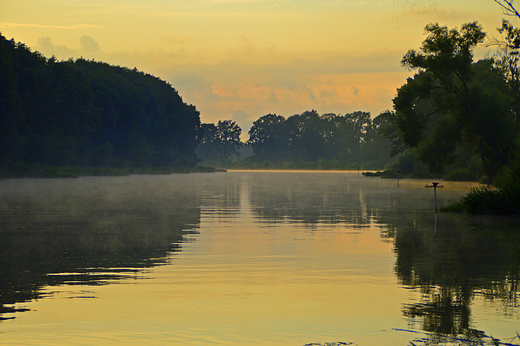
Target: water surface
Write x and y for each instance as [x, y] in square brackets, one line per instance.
[251, 258]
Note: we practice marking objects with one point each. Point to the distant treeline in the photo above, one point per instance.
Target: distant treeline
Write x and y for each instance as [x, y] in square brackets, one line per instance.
[309, 137]
[301, 141]
[89, 114]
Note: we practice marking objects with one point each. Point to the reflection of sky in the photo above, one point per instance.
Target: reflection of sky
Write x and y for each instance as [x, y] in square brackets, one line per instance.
[243, 281]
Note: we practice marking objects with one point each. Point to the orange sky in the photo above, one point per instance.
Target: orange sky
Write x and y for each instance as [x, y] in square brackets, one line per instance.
[242, 59]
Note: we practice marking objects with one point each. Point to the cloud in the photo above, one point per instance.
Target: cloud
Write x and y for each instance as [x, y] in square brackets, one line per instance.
[41, 26]
[88, 44]
[244, 121]
[243, 90]
[48, 48]
[415, 6]
[194, 89]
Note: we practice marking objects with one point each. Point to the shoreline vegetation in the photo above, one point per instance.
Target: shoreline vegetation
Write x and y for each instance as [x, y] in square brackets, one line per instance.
[74, 118]
[503, 199]
[485, 200]
[76, 172]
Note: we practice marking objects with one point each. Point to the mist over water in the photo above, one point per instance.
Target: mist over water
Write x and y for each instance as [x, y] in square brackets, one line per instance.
[251, 258]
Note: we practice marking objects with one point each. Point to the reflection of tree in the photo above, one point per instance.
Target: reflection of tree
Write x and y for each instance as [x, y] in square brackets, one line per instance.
[306, 198]
[451, 260]
[446, 311]
[333, 198]
[220, 195]
[460, 260]
[88, 231]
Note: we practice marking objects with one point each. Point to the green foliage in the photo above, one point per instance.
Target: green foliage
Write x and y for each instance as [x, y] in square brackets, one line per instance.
[321, 164]
[266, 137]
[461, 175]
[457, 207]
[408, 165]
[328, 140]
[484, 200]
[453, 102]
[387, 128]
[11, 113]
[87, 113]
[219, 144]
[502, 200]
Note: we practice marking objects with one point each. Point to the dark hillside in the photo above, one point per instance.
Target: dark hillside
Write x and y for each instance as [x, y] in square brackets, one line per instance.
[89, 114]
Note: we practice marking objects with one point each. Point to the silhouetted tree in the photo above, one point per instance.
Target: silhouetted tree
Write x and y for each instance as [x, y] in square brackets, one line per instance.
[312, 137]
[266, 137]
[453, 100]
[11, 113]
[219, 144]
[89, 113]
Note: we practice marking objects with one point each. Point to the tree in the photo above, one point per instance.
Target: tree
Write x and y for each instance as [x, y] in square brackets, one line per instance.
[267, 138]
[304, 135]
[374, 146]
[453, 101]
[387, 128]
[220, 143]
[508, 8]
[228, 135]
[11, 114]
[311, 137]
[86, 113]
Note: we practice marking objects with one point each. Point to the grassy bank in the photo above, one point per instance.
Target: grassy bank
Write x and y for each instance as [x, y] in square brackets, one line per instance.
[30, 171]
[504, 199]
[487, 200]
[320, 164]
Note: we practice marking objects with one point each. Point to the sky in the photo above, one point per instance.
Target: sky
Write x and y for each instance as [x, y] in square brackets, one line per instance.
[242, 59]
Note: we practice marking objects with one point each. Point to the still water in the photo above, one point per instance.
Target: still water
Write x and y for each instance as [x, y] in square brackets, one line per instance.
[252, 258]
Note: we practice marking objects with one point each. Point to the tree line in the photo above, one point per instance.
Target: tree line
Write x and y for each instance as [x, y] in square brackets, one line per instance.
[338, 140]
[89, 114]
[309, 136]
[84, 113]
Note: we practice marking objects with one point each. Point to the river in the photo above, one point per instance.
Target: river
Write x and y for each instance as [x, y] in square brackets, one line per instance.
[252, 258]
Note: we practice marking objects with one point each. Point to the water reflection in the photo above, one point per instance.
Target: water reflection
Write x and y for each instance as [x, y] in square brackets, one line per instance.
[87, 231]
[453, 260]
[450, 260]
[280, 256]
[301, 197]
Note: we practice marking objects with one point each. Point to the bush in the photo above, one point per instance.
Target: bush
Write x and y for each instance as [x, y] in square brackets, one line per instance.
[461, 175]
[485, 200]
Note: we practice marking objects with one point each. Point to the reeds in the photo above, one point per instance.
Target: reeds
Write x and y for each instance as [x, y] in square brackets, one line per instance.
[486, 200]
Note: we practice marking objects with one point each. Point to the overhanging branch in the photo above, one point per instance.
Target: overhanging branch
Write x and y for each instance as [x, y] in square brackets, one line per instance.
[508, 8]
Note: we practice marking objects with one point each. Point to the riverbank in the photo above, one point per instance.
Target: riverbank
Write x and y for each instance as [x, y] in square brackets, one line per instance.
[29, 171]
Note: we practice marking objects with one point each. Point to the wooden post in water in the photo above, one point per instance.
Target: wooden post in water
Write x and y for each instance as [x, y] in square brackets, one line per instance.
[435, 192]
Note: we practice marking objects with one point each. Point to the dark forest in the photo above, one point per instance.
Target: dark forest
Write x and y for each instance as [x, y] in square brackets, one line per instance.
[89, 114]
